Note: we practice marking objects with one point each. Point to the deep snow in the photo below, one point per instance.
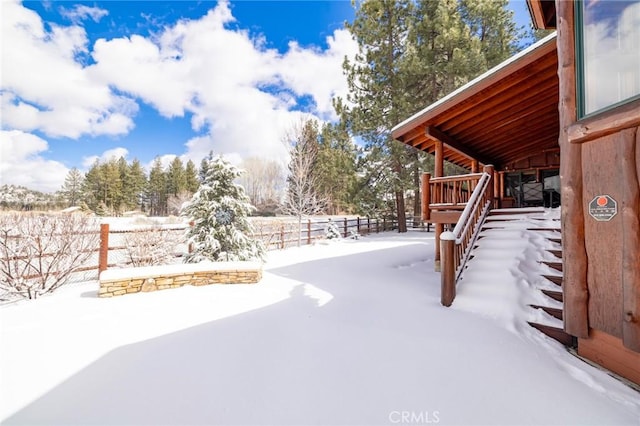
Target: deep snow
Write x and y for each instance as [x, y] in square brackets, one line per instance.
[346, 332]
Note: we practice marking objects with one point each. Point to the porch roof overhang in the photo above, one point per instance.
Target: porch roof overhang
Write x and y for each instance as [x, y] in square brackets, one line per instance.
[543, 13]
[504, 115]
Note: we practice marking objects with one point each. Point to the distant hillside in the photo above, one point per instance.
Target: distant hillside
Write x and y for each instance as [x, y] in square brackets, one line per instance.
[21, 198]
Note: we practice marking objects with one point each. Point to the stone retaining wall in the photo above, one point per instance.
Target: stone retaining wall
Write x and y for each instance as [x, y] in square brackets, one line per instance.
[116, 282]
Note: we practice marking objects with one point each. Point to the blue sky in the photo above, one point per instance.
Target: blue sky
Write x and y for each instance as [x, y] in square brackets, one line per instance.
[90, 80]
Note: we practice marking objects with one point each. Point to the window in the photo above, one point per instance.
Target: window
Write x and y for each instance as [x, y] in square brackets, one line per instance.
[608, 56]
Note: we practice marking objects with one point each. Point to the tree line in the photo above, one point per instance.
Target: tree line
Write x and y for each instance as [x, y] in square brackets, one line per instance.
[412, 53]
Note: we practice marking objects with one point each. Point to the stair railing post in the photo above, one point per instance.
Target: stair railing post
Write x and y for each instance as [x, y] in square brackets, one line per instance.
[447, 265]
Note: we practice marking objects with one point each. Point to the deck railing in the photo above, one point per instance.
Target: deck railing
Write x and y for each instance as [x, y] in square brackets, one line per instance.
[456, 245]
[447, 193]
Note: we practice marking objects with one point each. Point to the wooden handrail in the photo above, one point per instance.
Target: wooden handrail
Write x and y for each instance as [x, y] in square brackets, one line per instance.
[448, 192]
[456, 245]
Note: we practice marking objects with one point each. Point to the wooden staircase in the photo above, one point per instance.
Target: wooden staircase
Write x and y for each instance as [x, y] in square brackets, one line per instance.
[553, 276]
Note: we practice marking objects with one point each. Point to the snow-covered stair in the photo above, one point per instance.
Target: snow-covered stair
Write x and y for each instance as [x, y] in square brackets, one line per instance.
[515, 269]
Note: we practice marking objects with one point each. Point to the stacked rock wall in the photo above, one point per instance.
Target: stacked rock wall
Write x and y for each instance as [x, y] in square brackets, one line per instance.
[133, 280]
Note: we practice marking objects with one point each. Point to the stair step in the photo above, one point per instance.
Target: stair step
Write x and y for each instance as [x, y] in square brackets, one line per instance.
[555, 240]
[554, 265]
[555, 312]
[556, 253]
[556, 295]
[523, 210]
[554, 279]
[554, 332]
[545, 229]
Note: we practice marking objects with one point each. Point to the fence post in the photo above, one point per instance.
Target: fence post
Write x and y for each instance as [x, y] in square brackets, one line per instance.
[358, 223]
[384, 224]
[448, 272]
[103, 256]
[345, 227]
[368, 225]
[190, 247]
[309, 232]
[282, 236]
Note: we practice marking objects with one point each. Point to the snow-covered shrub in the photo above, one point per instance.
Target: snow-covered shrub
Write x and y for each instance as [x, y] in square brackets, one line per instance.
[148, 247]
[331, 230]
[39, 252]
[219, 211]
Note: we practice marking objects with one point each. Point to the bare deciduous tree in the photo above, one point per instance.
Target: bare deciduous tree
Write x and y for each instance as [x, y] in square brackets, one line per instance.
[156, 246]
[263, 180]
[302, 197]
[39, 252]
[175, 202]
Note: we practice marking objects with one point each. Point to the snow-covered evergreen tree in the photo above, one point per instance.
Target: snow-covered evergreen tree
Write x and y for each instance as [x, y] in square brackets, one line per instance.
[331, 230]
[219, 211]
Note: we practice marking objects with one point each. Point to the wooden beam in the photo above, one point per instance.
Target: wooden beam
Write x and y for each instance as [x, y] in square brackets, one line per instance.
[438, 135]
[623, 117]
[576, 292]
[537, 14]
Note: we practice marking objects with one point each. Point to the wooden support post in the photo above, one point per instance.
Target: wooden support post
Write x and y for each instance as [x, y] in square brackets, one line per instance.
[309, 232]
[474, 166]
[358, 224]
[103, 257]
[574, 258]
[448, 275]
[438, 166]
[426, 196]
[630, 212]
[439, 228]
[345, 227]
[368, 225]
[501, 190]
[491, 188]
[438, 171]
[384, 224]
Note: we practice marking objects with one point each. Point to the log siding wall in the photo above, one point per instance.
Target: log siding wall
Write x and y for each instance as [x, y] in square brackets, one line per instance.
[600, 155]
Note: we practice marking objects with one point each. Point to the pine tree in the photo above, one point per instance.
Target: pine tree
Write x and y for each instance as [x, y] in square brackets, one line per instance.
[91, 186]
[331, 231]
[219, 210]
[176, 178]
[377, 90]
[72, 187]
[191, 177]
[135, 183]
[336, 168]
[157, 189]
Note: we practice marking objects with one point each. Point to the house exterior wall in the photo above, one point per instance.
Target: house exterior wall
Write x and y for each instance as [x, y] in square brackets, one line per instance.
[599, 156]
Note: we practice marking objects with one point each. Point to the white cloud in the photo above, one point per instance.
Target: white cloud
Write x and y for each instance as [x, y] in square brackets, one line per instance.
[22, 162]
[81, 12]
[233, 87]
[45, 88]
[110, 154]
[237, 93]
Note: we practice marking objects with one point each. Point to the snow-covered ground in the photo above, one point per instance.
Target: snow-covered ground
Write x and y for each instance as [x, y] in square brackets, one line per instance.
[347, 332]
